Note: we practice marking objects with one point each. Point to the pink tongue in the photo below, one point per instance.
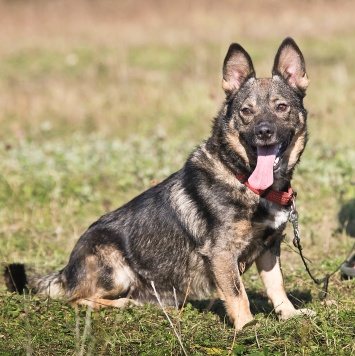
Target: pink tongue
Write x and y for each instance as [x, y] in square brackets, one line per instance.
[263, 175]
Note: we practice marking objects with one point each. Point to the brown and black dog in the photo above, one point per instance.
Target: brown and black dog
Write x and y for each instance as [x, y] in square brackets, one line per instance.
[202, 227]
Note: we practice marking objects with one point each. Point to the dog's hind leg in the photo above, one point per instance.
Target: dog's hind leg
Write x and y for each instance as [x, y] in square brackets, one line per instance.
[103, 279]
[97, 303]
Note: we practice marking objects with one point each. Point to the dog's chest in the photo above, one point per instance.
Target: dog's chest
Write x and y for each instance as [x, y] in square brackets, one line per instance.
[271, 216]
[277, 218]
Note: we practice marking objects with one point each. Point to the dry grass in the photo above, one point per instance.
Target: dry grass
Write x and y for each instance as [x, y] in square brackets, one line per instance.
[72, 45]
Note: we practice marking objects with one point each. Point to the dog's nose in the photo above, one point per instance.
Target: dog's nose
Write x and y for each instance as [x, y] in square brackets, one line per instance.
[264, 130]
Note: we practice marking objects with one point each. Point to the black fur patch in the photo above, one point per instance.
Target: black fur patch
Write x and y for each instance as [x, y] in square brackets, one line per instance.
[15, 278]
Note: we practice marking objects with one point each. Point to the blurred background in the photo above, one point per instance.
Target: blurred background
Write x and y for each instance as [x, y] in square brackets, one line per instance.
[101, 99]
[121, 67]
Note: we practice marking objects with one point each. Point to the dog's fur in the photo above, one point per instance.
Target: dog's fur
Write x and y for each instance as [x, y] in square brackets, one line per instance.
[198, 230]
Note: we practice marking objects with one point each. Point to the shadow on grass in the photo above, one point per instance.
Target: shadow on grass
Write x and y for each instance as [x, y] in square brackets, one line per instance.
[258, 303]
[346, 217]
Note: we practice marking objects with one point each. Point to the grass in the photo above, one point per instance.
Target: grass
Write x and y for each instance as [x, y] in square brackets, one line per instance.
[101, 100]
[146, 331]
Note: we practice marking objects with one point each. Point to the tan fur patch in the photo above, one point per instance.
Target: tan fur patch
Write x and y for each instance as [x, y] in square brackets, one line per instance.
[219, 170]
[238, 240]
[98, 303]
[234, 142]
[297, 149]
[231, 290]
[301, 118]
[270, 273]
[87, 287]
[122, 275]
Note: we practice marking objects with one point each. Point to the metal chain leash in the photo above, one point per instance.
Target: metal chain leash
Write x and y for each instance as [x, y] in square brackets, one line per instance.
[293, 218]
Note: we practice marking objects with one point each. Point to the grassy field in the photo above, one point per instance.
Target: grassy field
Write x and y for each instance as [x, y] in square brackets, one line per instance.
[99, 100]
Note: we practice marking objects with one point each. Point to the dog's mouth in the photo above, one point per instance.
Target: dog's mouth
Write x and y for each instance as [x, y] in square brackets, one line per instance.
[281, 148]
[269, 160]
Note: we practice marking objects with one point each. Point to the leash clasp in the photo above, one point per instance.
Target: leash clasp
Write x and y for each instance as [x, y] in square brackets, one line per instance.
[293, 219]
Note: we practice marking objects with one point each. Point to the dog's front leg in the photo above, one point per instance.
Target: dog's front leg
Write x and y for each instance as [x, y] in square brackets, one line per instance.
[231, 288]
[268, 265]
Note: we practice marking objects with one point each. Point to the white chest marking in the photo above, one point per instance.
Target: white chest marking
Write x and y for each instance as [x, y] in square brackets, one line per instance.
[277, 217]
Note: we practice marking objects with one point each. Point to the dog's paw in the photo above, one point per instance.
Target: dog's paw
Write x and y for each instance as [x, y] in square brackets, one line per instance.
[242, 321]
[289, 313]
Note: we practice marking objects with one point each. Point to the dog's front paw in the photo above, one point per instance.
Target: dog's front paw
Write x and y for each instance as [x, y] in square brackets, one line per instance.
[289, 313]
[242, 320]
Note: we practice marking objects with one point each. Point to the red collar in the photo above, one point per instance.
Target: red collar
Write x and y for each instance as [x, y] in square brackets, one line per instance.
[275, 196]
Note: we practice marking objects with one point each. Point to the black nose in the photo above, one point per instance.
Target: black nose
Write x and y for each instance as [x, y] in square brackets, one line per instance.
[264, 130]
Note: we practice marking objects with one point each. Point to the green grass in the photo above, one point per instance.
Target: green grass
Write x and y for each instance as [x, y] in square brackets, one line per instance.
[97, 107]
[44, 326]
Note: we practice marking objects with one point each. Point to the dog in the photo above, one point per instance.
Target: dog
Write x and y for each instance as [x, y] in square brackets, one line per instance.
[197, 231]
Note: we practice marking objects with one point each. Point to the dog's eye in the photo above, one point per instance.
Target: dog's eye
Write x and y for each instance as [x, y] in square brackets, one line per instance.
[246, 111]
[281, 107]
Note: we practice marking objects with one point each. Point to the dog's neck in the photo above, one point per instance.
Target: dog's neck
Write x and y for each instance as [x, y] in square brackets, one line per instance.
[281, 197]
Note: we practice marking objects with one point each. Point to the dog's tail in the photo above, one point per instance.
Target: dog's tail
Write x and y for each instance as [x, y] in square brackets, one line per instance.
[16, 280]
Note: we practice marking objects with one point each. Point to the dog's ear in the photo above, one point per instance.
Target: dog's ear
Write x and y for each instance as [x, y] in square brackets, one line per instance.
[237, 68]
[289, 64]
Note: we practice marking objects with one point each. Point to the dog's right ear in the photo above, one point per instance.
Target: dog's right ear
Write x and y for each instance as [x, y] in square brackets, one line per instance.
[237, 68]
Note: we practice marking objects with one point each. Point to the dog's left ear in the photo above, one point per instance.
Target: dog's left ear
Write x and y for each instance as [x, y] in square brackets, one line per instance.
[289, 64]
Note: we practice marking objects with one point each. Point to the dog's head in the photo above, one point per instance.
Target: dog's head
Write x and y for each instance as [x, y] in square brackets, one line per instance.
[266, 118]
